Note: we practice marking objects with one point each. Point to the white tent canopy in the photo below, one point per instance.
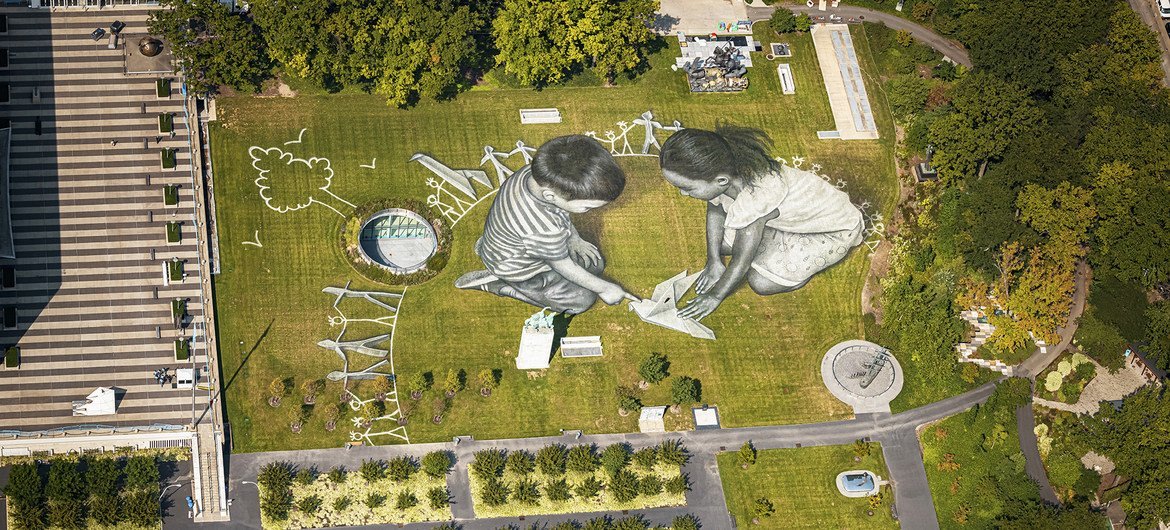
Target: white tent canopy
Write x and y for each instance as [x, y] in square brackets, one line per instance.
[100, 402]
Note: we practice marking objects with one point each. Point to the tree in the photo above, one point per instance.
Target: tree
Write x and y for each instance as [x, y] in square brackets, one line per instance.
[746, 454]
[970, 372]
[685, 390]
[487, 381]
[782, 21]
[615, 458]
[277, 389]
[646, 457]
[373, 470]
[907, 95]
[582, 459]
[672, 453]
[141, 509]
[551, 460]
[678, 484]
[383, 385]
[1064, 214]
[214, 45]
[372, 410]
[988, 114]
[436, 464]
[904, 38]
[1157, 333]
[861, 448]
[418, 383]
[654, 368]
[311, 388]
[65, 491]
[685, 522]
[25, 496]
[650, 485]
[997, 435]
[521, 462]
[438, 497]
[541, 42]
[453, 382]
[922, 10]
[629, 404]
[803, 22]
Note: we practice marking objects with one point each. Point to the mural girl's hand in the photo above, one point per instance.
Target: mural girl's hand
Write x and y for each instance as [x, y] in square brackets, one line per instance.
[711, 274]
[700, 306]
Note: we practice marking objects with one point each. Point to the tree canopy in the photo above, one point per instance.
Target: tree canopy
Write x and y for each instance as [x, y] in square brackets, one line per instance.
[214, 45]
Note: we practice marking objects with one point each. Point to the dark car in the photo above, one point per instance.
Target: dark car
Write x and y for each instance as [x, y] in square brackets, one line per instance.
[98, 34]
[117, 27]
[1168, 28]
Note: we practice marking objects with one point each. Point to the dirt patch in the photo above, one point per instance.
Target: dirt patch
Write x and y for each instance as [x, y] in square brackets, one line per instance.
[285, 91]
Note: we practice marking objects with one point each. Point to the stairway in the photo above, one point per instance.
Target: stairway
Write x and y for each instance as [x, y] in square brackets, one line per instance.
[209, 476]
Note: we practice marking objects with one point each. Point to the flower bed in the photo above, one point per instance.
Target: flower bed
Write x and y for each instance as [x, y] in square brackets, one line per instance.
[1066, 378]
[162, 88]
[351, 245]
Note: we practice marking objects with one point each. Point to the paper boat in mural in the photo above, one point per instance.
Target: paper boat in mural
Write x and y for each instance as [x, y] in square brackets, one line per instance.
[662, 307]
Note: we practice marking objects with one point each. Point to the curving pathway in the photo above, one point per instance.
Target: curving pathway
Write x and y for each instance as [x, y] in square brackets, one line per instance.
[951, 49]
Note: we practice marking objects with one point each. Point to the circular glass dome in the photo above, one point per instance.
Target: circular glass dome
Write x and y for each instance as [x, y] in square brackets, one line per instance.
[397, 239]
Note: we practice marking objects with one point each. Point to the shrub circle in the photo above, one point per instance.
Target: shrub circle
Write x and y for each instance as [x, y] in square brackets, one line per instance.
[350, 234]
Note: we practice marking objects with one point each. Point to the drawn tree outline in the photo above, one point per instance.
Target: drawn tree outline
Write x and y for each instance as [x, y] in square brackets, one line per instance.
[313, 164]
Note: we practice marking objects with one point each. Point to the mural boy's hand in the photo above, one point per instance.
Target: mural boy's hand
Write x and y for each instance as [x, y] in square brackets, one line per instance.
[711, 274]
[614, 293]
[700, 306]
[584, 251]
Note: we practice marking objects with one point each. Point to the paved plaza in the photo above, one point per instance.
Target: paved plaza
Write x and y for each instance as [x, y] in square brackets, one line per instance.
[89, 225]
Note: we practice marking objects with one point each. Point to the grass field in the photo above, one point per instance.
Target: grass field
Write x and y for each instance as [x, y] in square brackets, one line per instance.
[799, 483]
[763, 369]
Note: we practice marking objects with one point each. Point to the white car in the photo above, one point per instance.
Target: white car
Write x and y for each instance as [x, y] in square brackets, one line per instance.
[1164, 8]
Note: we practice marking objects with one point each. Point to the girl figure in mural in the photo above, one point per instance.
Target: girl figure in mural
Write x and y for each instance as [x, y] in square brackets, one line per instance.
[779, 224]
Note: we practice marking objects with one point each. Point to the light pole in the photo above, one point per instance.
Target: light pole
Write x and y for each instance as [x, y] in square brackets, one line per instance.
[161, 513]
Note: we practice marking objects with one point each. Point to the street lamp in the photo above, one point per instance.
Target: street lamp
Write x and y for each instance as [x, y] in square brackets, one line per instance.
[161, 512]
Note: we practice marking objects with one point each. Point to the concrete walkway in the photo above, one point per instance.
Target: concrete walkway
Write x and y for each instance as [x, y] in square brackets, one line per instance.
[951, 49]
[1105, 386]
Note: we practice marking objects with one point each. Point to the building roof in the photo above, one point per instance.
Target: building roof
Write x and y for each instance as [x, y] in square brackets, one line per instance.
[1136, 350]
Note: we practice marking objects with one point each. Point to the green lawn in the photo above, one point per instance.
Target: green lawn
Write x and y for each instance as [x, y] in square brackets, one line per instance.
[764, 369]
[799, 483]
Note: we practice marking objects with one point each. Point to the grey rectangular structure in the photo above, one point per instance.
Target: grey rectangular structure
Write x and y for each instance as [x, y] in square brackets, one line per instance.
[581, 347]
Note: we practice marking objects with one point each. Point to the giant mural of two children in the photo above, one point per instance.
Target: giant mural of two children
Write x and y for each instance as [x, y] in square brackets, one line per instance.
[779, 225]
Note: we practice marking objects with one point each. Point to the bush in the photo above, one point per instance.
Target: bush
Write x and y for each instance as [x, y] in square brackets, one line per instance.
[304, 477]
[406, 500]
[685, 522]
[678, 485]
[646, 457]
[582, 459]
[615, 458]
[762, 507]
[374, 500]
[588, 488]
[104, 510]
[630, 404]
[309, 505]
[650, 485]
[672, 453]
[803, 22]
[526, 492]
[633, 522]
[557, 490]
[436, 464]
[141, 509]
[494, 492]
[341, 503]
[624, 486]
[418, 382]
[746, 454]
[400, 469]
[337, 475]
[12, 357]
[907, 95]
[142, 473]
[489, 463]
[945, 70]
[521, 462]
[551, 460]
[654, 368]
[438, 497]
[373, 470]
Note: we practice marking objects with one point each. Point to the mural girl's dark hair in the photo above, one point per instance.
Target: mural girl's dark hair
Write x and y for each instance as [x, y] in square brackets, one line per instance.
[743, 153]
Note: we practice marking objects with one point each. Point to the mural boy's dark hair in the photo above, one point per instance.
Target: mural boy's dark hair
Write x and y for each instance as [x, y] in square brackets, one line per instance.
[743, 153]
[578, 168]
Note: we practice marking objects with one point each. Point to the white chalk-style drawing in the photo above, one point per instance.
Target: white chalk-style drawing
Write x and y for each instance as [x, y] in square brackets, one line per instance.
[278, 167]
[661, 308]
[455, 192]
[390, 302]
[373, 164]
[256, 240]
[300, 137]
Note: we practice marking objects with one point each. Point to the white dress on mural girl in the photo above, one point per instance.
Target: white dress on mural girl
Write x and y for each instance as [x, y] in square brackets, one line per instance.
[816, 227]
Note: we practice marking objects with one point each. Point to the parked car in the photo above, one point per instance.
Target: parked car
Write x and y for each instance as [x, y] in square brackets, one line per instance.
[1168, 28]
[97, 34]
[117, 27]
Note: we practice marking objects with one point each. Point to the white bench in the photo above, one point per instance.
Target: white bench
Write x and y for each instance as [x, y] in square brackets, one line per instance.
[581, 347]
[530, 116]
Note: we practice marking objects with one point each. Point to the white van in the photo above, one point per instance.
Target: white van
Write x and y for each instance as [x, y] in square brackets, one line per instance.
[1164, 8]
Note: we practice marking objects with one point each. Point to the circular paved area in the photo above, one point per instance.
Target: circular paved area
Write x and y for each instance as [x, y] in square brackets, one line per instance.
[862, 374]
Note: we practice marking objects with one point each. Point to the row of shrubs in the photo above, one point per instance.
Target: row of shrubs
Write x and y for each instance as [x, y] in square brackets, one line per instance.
[277, 479]
[605, 522]
[78, 494]
[555, 460]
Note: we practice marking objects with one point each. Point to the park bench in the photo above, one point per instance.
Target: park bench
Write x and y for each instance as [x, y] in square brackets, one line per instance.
[785, 73]
[530, 116]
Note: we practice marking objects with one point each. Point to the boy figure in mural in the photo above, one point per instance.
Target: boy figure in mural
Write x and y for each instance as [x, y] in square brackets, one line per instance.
[530, 249]
[779, 224]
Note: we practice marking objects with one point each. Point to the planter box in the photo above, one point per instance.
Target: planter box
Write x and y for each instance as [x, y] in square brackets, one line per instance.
[178, 308]
[166, 123]
[174, 233]
[175, 271]
[171, 194]
[168, 157]
[162, 88]
[182, 350]
[12, 357]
